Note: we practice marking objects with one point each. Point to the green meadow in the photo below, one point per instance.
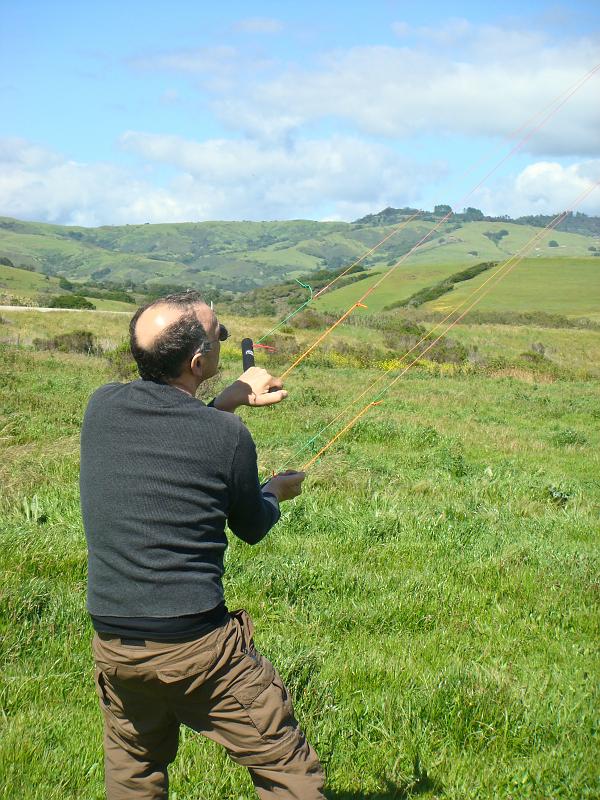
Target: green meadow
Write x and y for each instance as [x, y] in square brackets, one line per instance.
[562, 285]
[431, 599]
[551, 285]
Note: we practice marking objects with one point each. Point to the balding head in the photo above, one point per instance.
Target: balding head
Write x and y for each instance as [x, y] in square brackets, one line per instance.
[166, 333]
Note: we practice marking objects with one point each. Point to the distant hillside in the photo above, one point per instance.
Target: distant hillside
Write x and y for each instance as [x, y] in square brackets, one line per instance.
[573, 223]
[237, 257]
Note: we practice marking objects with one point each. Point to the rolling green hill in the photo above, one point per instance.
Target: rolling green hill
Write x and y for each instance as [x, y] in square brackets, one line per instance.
[241, 256]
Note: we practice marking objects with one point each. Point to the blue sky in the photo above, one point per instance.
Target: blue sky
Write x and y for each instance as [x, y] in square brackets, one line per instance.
[135, 112]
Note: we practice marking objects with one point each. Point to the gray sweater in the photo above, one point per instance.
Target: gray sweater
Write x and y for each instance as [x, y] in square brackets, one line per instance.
[161, 474]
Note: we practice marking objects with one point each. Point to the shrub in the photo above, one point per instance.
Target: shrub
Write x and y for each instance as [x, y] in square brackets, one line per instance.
[286, 348]
[309, 320]
[552, 243]
[71, 301]
[74, 342]
[443, 352]
[358, 354]
[122, 363]
[496, 236]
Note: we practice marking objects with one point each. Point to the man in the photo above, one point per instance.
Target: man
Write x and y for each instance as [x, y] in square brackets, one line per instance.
[161, 474]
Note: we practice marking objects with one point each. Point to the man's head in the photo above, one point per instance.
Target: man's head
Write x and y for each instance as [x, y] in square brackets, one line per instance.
[176, 337]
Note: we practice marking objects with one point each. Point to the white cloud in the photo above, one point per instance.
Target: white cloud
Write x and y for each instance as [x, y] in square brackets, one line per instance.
[498, 82]
[401, 29]
[544, 187]
[456, 78]
[217, 179]
[219, 60]
[551, 187]
[334, 178]
[260, 25]
[250, 179]
[40, 184]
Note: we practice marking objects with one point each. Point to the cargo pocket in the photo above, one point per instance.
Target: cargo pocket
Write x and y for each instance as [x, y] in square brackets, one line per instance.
[260, 691]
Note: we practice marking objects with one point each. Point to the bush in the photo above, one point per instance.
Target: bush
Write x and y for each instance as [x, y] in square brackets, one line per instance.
[122, 362]
[309, 320]
[71, 301]
[74, 342]
[446, 351]
[286, 348]
[552, 243]
[496, 236]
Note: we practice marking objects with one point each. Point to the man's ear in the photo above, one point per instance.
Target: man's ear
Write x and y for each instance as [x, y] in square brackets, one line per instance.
[196, 365]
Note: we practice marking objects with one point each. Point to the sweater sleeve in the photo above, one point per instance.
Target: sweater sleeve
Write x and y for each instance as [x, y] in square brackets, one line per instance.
[251, 513]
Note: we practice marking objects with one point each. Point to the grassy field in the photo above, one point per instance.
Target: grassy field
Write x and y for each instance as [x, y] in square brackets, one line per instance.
[565, 286]
[571, 349]
[570, 286]
[431, 599]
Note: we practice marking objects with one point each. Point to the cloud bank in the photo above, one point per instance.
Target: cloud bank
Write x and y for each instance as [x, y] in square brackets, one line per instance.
[338, 136]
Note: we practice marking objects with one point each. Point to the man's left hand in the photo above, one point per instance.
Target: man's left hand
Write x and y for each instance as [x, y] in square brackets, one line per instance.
[255, 387]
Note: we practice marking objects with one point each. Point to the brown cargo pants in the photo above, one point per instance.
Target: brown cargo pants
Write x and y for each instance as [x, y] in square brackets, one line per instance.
[218, 685]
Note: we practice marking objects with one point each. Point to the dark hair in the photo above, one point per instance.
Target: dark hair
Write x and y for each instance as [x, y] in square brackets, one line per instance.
[175, 345]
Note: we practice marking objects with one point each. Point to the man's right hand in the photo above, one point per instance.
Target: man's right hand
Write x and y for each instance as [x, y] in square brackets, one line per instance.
[285, 485]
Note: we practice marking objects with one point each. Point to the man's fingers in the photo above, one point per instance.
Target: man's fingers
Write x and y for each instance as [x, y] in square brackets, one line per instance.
[269, 398]
[275, 383]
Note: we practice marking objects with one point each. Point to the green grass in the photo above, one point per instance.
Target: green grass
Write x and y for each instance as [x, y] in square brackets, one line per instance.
[431, 599]
[470, 237]
[21, 283]
[571, 349]
[24, 285]
[404, 281]
[569, 286]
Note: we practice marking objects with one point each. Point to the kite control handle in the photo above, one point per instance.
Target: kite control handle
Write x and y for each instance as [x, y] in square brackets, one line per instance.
[247, 354]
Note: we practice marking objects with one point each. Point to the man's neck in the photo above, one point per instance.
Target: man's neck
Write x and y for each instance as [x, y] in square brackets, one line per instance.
[189, 387]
